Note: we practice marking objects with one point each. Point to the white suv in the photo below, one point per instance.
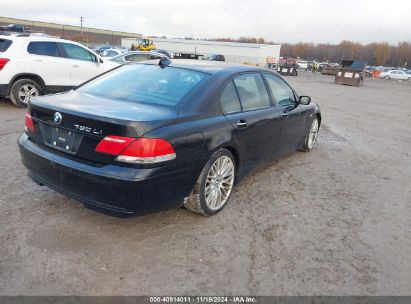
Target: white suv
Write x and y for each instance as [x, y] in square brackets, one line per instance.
[35, 65]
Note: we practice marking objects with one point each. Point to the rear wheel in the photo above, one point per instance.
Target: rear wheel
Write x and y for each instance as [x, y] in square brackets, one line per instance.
[22, 90]
[214, 185]
[311, 137]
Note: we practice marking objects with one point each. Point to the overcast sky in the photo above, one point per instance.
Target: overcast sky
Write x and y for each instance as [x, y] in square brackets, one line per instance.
[274, 20]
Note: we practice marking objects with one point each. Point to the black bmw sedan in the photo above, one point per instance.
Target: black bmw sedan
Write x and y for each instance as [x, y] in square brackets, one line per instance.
[155, 135]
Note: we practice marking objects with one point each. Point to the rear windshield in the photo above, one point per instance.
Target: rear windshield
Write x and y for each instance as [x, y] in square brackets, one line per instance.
[4, 45]
[145, 83]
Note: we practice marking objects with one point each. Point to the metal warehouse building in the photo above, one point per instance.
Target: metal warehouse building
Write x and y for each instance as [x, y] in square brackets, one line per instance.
[93, 36]
[233, 52]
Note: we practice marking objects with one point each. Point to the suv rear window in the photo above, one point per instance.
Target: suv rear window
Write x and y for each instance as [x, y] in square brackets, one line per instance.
[4, 45]
[43, 48]
[145, 83]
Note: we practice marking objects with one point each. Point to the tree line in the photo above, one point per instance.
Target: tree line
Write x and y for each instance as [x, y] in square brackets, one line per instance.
[376, 53]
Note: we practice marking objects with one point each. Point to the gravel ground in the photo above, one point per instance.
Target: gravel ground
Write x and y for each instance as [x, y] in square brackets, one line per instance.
[335, 221]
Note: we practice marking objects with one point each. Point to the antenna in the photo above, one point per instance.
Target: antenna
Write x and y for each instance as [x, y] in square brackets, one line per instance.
[164, 62]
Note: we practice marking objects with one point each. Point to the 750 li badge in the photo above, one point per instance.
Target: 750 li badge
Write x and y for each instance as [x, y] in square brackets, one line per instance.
[88, 130]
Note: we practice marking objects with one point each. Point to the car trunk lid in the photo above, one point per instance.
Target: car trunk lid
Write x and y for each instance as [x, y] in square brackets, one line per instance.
[75, 123]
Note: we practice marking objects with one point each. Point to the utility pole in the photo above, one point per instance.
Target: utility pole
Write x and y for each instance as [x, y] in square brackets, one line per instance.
[81, 25]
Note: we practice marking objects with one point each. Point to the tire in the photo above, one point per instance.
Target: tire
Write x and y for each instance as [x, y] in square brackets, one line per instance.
[22, 90]
[311, 136]
[211, 178]
[387, 77]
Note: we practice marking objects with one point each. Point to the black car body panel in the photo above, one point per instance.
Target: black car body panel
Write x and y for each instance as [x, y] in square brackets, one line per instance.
[118, 190]
[196, 127]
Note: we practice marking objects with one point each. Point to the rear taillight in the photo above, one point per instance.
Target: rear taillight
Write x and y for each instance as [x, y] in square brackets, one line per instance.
[114, 145]
[137, 151]
[3, 62]
[29, 123]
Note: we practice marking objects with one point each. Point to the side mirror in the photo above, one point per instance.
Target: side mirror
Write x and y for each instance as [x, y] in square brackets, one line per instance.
[305, 100]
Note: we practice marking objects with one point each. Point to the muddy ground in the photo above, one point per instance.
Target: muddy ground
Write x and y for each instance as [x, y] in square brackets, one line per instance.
[335, 221]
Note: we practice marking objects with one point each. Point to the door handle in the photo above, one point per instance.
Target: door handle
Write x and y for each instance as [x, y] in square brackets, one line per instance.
[75, 66]
[37, 60]
[241, 123]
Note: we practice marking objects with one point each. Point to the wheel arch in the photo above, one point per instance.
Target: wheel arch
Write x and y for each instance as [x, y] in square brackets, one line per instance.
[318, 115]
[31, 76]
[235, 154]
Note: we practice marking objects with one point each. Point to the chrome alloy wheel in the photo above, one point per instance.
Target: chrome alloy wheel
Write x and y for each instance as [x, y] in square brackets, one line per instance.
[219, 182]
[26, 92]
[312, 136]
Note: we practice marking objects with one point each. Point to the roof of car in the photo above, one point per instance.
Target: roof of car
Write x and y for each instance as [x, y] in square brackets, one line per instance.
[23, 36]
[206, 66]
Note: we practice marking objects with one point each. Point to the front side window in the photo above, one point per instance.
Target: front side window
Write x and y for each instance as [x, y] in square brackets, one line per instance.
[76, 52]
[145, 83]
[252, 91]
[43, 48]
[282, 93]
[229, 99]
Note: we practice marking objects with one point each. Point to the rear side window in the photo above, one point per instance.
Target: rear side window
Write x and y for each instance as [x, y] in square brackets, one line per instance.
[152, 57]
[76, 52]
[229, 99]
[43, 48]
[252, 91]
[282, 93]
[4, 45]
[145, 83]
[136, 57]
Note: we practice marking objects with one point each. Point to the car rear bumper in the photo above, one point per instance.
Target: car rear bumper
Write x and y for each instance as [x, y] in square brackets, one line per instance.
[111, 189]
[4, 89]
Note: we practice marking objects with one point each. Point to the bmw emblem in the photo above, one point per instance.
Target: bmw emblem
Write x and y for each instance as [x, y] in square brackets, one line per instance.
[57, 118]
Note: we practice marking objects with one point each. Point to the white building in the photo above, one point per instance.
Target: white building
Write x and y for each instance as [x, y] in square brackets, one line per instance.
[233, 51]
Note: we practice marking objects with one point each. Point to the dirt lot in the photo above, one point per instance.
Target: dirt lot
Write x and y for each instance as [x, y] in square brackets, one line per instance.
[335, 221]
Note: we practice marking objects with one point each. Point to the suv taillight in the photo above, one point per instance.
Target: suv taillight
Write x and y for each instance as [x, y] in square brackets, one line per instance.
[137, 151]
[3, 62]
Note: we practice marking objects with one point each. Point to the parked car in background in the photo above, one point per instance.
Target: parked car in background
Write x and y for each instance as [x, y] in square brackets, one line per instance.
[162, 134]
[329, 69]
[109, 53]
[287, 67]
[102, 48]
[17, 28]
[395, 74]
[136, 56]
[33, 65]
[302, 64]
[216, 57]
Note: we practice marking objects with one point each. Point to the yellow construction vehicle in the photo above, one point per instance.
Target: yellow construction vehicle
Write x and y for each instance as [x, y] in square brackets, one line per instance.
[144, 44]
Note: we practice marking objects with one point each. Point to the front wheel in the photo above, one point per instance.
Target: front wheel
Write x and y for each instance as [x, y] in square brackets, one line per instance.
[311, 137]
[214, 185]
